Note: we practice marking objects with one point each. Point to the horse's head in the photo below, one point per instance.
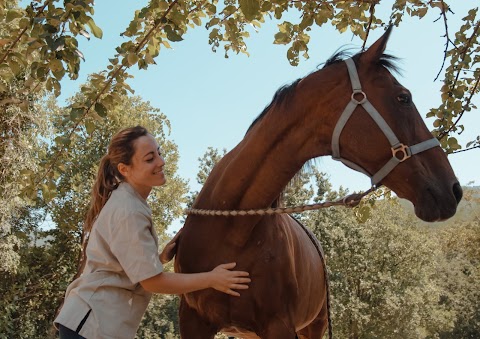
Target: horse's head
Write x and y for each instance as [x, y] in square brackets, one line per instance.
[381, 133]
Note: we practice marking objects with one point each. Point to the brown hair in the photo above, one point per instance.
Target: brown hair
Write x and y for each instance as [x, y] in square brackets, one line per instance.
[120, 150]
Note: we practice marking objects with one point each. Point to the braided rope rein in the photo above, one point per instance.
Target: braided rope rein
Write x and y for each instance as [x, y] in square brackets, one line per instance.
[351, 200]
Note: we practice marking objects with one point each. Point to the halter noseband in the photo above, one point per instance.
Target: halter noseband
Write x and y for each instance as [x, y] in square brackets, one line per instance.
[397, 147]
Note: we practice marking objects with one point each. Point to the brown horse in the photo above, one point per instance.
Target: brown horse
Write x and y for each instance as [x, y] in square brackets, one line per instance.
[315, 116]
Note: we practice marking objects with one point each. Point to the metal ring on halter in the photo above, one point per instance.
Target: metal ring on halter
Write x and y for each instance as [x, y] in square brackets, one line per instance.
[359, 91]
[401, 148]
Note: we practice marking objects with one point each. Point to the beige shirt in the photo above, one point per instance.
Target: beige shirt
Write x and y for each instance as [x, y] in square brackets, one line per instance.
[121, 252]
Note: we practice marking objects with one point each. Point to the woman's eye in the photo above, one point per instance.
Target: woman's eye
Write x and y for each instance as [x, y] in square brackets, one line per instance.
[404, 98]
[150, 160]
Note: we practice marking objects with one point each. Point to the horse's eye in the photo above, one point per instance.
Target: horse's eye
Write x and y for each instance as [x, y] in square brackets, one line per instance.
[404, 98]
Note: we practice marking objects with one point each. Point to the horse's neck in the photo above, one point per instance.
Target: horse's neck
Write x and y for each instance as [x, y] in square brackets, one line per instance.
[256, 171]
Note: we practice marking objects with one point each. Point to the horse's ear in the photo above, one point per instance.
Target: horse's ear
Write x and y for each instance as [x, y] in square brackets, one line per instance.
[375, 52]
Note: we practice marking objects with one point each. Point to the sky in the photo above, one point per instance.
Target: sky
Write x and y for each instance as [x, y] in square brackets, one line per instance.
[211, 101]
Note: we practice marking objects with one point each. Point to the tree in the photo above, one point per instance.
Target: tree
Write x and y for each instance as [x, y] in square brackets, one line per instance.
[32, 293]
[460, 277]
[381, 273]
[22, 127]
[40, 45]
[207, 163]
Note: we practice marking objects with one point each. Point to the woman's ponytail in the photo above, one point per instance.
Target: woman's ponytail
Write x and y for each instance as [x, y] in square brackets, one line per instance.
[105, 182]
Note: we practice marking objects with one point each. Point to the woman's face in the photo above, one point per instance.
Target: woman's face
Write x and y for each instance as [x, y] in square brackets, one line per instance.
[146, 168]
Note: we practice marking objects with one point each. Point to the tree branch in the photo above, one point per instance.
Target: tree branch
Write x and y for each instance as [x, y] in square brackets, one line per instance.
[12, 45]
[472, 92]
[466, 149]
[444, 15]
[372, 15]
[119, 69]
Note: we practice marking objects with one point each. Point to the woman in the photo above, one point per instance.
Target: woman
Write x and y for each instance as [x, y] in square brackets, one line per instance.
[122, 266]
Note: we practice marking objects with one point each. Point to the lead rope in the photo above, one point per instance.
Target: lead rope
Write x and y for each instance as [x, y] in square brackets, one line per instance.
[351, 200]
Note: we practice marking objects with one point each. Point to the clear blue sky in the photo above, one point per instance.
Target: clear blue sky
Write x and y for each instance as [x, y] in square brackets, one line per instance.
[211, 100]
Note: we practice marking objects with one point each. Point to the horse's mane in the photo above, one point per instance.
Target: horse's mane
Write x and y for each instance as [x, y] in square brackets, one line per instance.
[388, 61]
[283, 93]
[279, 97]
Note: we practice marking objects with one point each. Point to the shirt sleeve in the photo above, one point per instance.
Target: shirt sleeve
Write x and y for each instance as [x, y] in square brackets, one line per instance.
[135, 248]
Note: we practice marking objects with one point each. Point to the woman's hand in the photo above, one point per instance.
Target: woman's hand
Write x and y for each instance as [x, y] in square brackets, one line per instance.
[220, 278]
[170, 249]
[227, 281]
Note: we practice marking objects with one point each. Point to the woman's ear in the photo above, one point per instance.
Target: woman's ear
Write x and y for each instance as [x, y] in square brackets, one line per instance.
[123, 169]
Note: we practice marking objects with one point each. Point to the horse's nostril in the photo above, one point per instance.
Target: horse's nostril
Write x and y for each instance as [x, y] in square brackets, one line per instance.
[457, 192]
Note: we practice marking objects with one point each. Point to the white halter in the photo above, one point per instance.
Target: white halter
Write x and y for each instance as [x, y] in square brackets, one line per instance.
[397, 147]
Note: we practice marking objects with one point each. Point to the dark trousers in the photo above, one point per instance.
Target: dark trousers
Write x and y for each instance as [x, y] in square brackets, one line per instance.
[66, 333]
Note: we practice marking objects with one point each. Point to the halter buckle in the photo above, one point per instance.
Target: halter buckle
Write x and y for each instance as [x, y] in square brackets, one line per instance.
[405, 152]
[361, 101]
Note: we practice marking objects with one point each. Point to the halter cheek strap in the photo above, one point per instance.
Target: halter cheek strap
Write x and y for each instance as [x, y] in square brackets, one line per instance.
[400, 152]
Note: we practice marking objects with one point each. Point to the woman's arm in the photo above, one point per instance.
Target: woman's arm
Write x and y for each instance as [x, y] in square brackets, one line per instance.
[220, 278]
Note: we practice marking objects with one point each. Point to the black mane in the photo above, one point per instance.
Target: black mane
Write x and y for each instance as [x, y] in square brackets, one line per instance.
[279, 97]
[388, 61]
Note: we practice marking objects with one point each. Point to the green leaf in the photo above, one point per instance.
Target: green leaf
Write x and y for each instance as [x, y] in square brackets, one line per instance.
[59, 74]
[172, 35]
[162, 5]
[282, 38]
[23, 106]
[457, 105]
[13, 14]
[55, 65]
[250, 8]
[101, 110]
[128, 88]
[76, 112]
[266, 6]
[24, 22]
[363, 214]
[212, 22]
[197, 21]
[452, 142]
[132, 59]
[421, 12]
[142, 64]
[63, 140]
[47, 193]
[90, 126]
[97, 31]
[14, 66]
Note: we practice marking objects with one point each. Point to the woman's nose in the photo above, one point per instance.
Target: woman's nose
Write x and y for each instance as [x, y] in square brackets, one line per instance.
[160, 160]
